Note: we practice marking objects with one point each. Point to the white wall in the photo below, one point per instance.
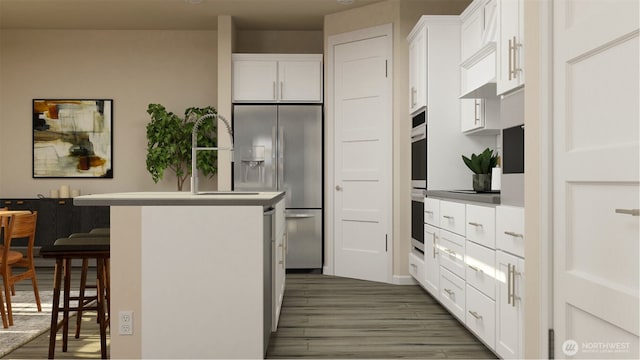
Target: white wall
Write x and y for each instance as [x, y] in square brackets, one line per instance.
[134, 68]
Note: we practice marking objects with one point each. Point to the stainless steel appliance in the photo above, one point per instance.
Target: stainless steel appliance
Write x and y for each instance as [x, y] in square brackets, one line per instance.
[279, 148]
[417, 220]
[419, 151]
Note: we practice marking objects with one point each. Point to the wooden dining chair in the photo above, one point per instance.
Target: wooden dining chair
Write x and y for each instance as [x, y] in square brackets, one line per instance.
[19, 227]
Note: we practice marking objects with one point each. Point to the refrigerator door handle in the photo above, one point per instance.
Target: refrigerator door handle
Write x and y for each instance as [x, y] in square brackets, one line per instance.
[274, 143]
[281, 159]
[300, 216]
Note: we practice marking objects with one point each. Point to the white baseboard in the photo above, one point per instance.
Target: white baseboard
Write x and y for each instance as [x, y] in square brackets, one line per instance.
[404, 280]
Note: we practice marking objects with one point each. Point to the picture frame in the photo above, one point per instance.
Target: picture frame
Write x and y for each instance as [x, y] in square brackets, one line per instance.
[72, 138]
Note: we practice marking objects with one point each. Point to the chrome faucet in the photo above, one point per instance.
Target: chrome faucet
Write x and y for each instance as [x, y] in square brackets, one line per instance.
[195, 148]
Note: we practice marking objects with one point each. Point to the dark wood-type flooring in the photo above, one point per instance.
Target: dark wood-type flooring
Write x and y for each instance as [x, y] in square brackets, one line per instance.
[331, 317]
[327, 317]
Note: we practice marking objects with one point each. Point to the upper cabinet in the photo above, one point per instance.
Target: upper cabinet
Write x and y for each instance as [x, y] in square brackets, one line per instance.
[510, 45]
[270, 78]
[478, 49]
[418, 69]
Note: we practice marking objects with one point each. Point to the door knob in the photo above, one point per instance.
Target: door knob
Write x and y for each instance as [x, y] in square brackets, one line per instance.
[338, 188]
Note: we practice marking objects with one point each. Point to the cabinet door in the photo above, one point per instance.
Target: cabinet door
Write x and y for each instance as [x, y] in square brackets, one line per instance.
[510, 45]
[431, 260]
[418, 71]
[46, 229]
[300, 81]
[481, 225]
[509, 305]
[255, 80]
[471, 114]
[481, 315]
[416, 267]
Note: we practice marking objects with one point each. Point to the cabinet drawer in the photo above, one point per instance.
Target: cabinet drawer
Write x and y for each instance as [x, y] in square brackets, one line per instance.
[451, 250]
[481, 225]
[432, 211]
[481, 271]
[510, 229]
[452, 216]
[416, 267]
[452, 293]
[481, 316]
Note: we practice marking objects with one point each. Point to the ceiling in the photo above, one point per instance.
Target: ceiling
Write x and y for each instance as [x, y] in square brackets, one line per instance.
[168, 14]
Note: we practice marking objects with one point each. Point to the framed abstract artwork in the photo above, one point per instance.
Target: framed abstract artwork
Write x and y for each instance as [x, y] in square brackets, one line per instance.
[72, 138]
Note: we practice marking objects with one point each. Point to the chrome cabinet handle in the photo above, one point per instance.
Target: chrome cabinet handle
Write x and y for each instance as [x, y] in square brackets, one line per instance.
[413, 96]
[338, 188]
[511, 233]
[435, 246]
[632, 212]
[509, 286]
[448, 291]
[474, 268]
[275, 96]
[476, 105]
[450, 252]
[510, 59]
[281, 90]
[429, 212]
[475, 315]
[475, 224]
[447, 217]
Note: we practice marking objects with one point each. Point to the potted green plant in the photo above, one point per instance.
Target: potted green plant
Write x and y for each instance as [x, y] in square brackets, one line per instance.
[169, 143]
[481, 166]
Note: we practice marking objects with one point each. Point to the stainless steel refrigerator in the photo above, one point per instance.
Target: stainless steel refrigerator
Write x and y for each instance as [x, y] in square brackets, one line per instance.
[279, 148]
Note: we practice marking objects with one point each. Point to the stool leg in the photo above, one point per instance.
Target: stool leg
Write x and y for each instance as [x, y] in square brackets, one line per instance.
[5, 324]
[83, 284]
[107, 282]
[65, 310]
[54, 307]
[101, 306]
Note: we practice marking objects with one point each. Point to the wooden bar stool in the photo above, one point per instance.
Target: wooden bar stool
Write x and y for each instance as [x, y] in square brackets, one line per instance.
[64, 251]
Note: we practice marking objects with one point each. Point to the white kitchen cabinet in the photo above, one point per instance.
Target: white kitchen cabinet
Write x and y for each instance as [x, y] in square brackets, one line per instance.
[432, 211]
[418, 69]
[416, 266]
[510, 229]
[452, 293]
[481, 225]
[480, 116]
[480, 268]
[510, 45]
[480, 317]
[452, 254]
[452, 217]
[509, 306]
[431, 260]
[279, 263]
[277, 78]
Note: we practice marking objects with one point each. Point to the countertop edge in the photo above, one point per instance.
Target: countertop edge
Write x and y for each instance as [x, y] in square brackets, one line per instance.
[197, 200]
[486, 198]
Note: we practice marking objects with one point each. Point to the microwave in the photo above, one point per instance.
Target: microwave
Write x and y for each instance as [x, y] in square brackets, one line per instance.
[513, 150]
[419, 151]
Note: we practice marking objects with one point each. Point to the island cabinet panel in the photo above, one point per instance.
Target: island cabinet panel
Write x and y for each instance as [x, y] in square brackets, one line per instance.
[59, 217]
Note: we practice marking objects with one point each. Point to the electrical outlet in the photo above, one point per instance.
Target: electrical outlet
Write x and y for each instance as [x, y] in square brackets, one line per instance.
[125, 325]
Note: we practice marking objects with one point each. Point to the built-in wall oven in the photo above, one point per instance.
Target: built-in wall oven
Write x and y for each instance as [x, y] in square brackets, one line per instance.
[417, 220]
[419, 151]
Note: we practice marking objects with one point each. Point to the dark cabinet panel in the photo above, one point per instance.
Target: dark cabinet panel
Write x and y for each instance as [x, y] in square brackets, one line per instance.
[59, 217]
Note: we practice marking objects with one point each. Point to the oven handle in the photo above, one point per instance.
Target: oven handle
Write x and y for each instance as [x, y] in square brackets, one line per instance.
[418, 133]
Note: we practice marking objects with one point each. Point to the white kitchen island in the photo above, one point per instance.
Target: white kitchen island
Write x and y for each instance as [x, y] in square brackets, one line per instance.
[197, 271]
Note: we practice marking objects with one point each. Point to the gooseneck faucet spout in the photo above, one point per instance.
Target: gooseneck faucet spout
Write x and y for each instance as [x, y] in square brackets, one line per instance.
[195, 148]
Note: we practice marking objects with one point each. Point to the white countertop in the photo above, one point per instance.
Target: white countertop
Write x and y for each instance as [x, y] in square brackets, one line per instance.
[222, 198]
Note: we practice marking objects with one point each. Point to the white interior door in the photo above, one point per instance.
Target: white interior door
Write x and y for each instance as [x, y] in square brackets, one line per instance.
[362, 120]
[596, 178]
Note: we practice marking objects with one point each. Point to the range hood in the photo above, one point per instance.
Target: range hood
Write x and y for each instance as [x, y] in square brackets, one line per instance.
[478, 72]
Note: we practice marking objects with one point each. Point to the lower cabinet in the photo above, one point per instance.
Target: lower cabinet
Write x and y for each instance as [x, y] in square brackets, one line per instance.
[481, 316]
[476, 273]
[452, 293]
[509, 306]
[279, 263]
